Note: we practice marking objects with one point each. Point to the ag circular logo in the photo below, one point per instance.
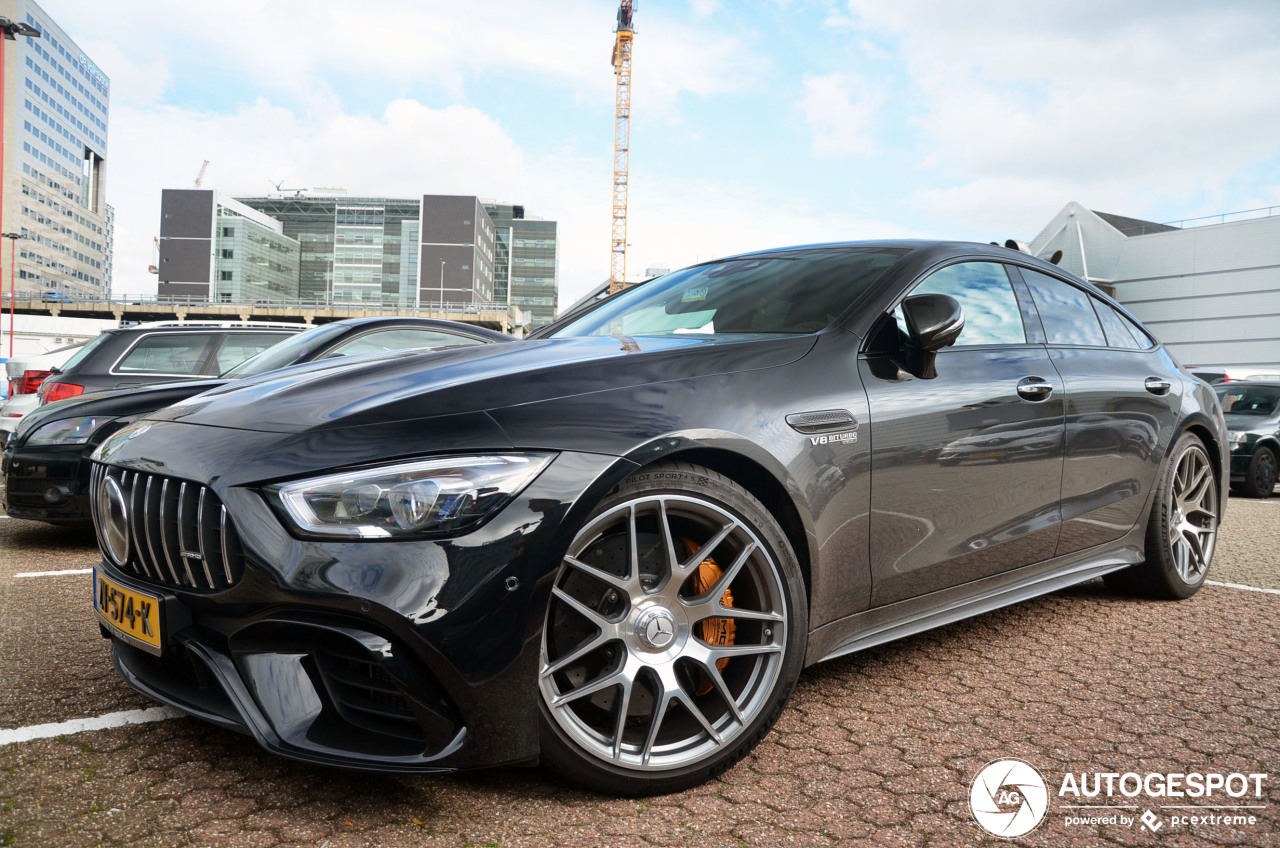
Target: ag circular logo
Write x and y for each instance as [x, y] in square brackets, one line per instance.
[1008, 798]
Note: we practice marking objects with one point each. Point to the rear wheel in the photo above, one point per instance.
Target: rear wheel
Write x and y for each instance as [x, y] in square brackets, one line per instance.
[1261, 479]
[1182, 530]
[674, 634]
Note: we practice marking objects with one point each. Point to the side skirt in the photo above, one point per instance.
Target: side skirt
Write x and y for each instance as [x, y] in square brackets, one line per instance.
[906, 618]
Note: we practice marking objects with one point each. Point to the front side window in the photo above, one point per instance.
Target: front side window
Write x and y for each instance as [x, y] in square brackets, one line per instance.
[983, 290]
[1065, 311]
[180, 353]
[787, 292]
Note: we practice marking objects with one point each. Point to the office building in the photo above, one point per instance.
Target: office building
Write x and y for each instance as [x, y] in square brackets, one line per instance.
[1209, 288]
[414, 253]
[525, 263]
[55, 146]
[216, 248]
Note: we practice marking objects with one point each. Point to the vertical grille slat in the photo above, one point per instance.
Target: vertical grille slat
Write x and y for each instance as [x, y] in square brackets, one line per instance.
[171, 519]
[136, 517]
[226, 544]
[164, 533]
[204, 551]
[182, 533]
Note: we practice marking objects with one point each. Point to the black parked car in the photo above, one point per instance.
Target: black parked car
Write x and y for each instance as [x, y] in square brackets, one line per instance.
[161, 352]
[614, 547]
[46, 464]
[1252, 411]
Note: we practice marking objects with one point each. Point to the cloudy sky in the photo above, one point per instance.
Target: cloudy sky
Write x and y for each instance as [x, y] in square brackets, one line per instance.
[755, 123]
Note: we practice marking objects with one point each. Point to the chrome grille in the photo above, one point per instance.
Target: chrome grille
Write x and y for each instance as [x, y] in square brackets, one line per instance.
[179, 533]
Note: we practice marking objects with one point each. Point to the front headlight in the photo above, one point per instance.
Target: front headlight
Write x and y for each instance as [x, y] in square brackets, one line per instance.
[445, 494]
[68, 431]
[1236, 439]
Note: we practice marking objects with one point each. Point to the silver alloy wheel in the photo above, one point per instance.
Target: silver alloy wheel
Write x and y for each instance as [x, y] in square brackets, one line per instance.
[1193, 515]
[625, 670]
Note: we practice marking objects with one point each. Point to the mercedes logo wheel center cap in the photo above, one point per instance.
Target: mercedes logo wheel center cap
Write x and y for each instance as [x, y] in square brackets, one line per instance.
[656, 628]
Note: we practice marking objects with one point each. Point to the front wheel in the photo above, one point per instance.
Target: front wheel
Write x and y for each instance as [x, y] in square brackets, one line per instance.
[674, 635]
[1182, 530]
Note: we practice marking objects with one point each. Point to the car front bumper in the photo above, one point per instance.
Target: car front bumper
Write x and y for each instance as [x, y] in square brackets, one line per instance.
[47, 483]
[380, 655]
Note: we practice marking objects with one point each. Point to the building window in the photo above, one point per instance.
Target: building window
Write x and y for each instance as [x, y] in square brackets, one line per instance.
[228, 232]
[228, 253]
[226, 275]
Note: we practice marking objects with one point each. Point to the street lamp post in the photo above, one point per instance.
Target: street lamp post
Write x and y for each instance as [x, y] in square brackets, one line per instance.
[442, 264]
[13, 240]
[9, 31]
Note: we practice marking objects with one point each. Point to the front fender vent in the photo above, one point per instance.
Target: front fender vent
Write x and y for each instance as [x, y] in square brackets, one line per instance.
[822, 421]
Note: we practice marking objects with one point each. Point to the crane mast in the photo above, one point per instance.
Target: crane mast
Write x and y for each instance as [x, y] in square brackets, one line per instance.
[621, 144]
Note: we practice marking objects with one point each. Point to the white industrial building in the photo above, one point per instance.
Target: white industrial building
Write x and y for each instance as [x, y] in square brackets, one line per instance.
[1211, 293]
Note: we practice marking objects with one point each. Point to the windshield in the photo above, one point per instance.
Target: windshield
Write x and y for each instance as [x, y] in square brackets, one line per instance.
[794, 291]
[289, 351]
[1248, 400]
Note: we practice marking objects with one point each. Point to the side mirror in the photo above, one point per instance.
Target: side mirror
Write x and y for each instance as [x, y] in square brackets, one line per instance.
[933, 322]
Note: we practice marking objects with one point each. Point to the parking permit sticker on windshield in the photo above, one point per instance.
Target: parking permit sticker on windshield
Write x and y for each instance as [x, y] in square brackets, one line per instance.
[691, 295]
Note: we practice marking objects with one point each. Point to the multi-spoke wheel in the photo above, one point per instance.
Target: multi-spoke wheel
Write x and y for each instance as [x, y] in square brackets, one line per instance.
[1183, 527]
[673, 636]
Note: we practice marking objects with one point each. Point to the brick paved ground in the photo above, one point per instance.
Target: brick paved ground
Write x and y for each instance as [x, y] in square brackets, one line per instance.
[877, 748]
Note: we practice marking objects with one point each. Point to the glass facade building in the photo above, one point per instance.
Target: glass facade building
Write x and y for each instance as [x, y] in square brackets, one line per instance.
[253, 259]
[352, 248]
[526, 262]
[55, 132]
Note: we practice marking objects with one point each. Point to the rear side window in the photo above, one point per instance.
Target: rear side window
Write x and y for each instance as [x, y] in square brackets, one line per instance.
[399, 338]
[178, 353]
[1120, 331]
[1065, 311]
[240, 346]
[991, 313]
[85, 352]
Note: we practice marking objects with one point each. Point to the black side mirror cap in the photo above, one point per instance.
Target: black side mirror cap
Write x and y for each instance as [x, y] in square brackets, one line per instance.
[934, 321]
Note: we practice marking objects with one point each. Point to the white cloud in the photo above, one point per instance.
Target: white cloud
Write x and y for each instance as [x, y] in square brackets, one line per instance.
[1166, 101]
[840, 110]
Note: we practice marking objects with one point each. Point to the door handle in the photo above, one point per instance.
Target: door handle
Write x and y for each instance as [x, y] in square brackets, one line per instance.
[1034, 388]
[1157, 386]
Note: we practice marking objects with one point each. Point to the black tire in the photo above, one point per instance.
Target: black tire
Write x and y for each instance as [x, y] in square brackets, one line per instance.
[679, 709]
[1261, 479]
[1181, 530]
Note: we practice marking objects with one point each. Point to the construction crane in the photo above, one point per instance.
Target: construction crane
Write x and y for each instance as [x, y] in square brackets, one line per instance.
[200, 176]
[621, 143]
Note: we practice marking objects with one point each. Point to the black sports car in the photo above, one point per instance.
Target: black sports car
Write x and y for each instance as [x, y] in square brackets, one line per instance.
[46, 461]
[614, 547]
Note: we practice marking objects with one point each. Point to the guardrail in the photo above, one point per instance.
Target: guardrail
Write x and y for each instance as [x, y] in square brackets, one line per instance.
[270, 303]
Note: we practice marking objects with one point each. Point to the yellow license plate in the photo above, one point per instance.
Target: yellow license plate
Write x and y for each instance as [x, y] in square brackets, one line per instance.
[132, 615]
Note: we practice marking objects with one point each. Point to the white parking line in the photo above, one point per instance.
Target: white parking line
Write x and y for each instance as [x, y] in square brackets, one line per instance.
[80, 725]
[1242, 586]
[53, 573]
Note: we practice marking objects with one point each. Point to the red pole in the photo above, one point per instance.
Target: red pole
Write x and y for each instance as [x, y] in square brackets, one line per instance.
[12, 264]
[2, 176]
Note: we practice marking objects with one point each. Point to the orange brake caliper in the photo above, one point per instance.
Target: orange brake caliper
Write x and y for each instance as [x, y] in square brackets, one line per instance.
[714, 631]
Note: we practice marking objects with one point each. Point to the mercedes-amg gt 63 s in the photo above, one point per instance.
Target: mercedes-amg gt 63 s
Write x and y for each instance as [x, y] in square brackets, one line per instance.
[613, 547]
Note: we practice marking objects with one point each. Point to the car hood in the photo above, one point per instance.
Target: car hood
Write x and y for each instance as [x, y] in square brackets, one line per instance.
[118, 403]
[471, 379]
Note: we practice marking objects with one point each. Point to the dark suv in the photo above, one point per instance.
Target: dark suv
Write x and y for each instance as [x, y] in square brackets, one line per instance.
[126, 357]
[1252, 410]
